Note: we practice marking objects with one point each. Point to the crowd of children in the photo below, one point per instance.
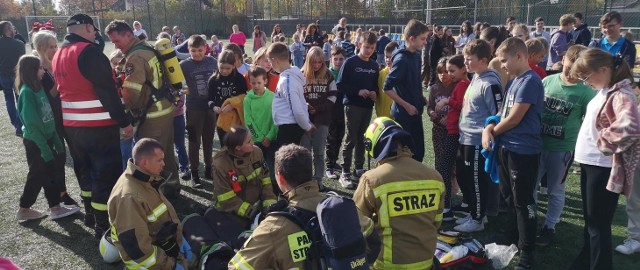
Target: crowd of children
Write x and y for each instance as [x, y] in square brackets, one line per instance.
[499, 123]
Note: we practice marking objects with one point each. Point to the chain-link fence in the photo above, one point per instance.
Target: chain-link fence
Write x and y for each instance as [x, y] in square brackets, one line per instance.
[216, 16]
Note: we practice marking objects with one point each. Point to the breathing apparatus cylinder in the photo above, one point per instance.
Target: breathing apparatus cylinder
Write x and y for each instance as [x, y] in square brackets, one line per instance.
[170, 61]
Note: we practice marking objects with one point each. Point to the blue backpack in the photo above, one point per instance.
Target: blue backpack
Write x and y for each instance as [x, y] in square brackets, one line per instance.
[334, 232]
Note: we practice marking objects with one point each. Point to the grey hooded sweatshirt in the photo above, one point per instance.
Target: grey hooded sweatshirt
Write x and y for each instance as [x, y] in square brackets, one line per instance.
[482, 99]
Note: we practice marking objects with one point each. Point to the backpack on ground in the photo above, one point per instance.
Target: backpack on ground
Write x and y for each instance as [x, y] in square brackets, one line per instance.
[333, 237]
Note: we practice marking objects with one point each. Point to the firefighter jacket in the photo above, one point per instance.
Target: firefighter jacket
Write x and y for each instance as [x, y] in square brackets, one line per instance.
[278, 243]
[239, 182]
[405, 198]
[137, 213]
[142, 71]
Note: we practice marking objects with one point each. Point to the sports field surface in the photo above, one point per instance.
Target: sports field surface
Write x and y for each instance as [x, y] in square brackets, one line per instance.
[68, 244]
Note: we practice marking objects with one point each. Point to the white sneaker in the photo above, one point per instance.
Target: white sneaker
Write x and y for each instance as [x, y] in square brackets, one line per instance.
[466, 218]
[463, 220]
[329, 173]
[63, 211]
[25, 214]
[345, 181]
[471, 225]
[628, 247]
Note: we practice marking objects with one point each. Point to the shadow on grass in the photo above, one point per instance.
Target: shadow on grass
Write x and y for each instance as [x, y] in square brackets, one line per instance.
[78, 240]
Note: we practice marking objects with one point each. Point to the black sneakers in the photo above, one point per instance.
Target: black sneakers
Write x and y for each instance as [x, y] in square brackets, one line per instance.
[186, 175]
[545, 237]
[526, 261]
[68, 201]
[195, 181]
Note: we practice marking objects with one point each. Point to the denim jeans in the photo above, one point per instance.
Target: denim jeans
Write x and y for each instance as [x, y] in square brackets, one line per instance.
[178, 141]
[10, 99]
[126, 147]
[316, 143]
[556, 165]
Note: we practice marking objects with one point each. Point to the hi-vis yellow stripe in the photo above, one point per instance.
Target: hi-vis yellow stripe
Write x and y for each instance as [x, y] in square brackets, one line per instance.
[240, 263]
[157, 212]
[99, 206]
[146, 264]
[132, 86]
[160, 113]
[243, 209]
[266, 181]
[226, 196]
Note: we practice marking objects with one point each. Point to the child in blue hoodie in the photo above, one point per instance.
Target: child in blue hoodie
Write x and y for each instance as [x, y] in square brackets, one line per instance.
[404, 85]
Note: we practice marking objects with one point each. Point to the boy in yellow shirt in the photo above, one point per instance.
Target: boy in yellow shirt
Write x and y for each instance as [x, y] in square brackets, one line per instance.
[383, 101]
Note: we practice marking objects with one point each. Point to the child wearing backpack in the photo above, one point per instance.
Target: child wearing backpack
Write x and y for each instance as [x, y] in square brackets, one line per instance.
[482, 99]
[41, 142]
[201, 120]
[225, 83]
[320, 94]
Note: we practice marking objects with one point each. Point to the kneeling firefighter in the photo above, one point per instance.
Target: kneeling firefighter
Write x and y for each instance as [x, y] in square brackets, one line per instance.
[149, 95]
[404, 195]
[145, 228]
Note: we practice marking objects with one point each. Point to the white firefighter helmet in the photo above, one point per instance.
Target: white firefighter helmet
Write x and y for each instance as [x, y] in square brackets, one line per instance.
[108, 250]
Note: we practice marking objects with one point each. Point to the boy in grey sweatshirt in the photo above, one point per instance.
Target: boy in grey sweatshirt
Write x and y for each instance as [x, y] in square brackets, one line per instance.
[482, 99]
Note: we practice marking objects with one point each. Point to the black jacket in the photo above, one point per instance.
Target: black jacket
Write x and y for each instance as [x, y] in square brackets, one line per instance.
[581, 35]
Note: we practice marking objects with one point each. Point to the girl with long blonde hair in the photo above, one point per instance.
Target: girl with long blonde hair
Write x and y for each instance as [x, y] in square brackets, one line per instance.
[320, 93]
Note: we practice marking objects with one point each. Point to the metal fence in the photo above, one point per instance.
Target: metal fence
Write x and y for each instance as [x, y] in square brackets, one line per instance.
[216, 16]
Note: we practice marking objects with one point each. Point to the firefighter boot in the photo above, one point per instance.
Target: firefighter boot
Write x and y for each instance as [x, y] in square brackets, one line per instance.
[89, 219]
[102, 223]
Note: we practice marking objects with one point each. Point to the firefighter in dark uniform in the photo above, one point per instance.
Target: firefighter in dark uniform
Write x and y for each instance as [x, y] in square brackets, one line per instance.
[144, 73]
[145, 228]
[404, 195]
[93, 117]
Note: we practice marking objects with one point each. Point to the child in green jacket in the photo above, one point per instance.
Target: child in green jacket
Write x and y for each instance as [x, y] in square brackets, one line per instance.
[41, 142]
[257, 115]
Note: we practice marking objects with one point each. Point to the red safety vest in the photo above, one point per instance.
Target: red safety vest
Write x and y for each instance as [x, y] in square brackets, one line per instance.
[80, 105]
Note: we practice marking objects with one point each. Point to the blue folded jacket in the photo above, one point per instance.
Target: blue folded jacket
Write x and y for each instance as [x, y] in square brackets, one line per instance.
[491, 162]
